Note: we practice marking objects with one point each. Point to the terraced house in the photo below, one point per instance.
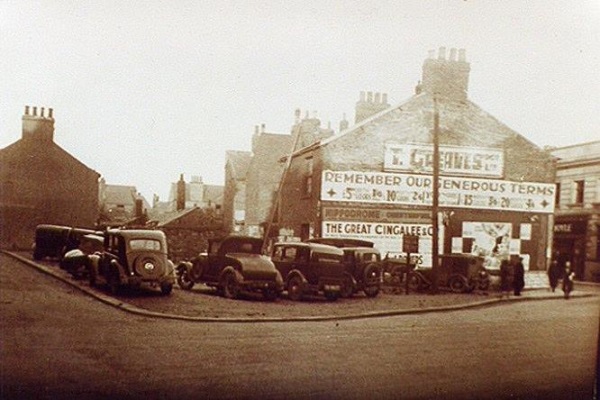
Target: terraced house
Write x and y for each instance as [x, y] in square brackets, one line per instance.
[374, 181]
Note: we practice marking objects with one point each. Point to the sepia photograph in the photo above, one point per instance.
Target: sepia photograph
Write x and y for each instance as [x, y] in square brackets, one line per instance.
[300, 199]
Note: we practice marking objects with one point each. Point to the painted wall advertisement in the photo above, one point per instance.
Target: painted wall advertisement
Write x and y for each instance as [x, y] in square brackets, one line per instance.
[413, 189]
[454, 160]
[387, 237]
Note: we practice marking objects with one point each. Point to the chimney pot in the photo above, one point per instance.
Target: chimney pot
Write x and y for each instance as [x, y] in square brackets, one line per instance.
[462, 55]
[42, 112]
[453, 54]
[35, 111]
[377, 97]
[384, 98]
[370, 97]
[262, 128]
[26, 110]
[50, 113]
[256, 129]
[442, 53]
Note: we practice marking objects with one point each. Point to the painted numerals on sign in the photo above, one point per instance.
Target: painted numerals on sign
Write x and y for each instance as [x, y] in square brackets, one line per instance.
[392, 188]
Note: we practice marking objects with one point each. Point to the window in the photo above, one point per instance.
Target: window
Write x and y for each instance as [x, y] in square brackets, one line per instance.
[579, 191]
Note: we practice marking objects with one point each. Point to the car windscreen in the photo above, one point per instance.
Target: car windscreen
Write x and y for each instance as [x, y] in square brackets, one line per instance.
[144, 244]
[318, 256]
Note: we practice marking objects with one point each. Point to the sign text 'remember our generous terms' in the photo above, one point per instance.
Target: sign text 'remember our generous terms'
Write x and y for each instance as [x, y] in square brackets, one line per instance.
[413, 189]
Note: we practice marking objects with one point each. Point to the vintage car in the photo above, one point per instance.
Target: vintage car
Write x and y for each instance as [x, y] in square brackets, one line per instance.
[132, 258]
[232, 265]
[76, 261]
[459, 272]
[310, 268]
[55, 240]
[363, 265]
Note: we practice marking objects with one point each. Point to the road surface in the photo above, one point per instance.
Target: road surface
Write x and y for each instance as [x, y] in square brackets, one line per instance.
[59, 343]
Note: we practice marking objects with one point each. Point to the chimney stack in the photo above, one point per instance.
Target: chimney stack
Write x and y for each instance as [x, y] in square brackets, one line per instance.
[370, 105]
[180, 194]
[448, 78]
[36, 127]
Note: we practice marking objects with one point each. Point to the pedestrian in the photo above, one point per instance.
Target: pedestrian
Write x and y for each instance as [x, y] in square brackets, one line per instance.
[567, 284]
[554, 274]
[504, 278]
[518, 277]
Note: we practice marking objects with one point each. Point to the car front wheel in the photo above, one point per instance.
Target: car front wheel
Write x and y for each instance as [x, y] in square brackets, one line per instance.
[184, 280]
[231, 286]
[294, 289]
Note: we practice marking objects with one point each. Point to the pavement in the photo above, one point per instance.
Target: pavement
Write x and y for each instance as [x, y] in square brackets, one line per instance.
[536, 288]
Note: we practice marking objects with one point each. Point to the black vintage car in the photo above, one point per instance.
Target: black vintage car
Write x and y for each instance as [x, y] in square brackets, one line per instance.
[232, 265]
[55, 240]
[132, 258]
[310, 268]
[363, 265]
[459, 272]
[76, 261]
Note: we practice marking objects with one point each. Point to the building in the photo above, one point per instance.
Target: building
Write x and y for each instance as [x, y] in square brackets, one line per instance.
[263, 177]
[373, 181]
[234, 192]
[42, 183]
[120, 204]
[188, 230]
[187, 195]
[577, 216]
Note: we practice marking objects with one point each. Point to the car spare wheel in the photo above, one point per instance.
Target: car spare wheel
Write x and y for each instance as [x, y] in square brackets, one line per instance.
[184, 280]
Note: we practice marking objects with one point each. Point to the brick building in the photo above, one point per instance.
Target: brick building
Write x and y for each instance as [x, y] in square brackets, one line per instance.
[373, 180]
[234, 191]
[577, 216]
[42, 183]
[263, 176]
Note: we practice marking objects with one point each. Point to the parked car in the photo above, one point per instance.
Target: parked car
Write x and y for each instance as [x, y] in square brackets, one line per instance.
[459, 272]
[132, 258]
[76, 261]
[232, 265]
[363, 265]
[55, 240]
[310, 268]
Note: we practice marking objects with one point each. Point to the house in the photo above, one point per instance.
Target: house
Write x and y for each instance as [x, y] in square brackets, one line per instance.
[188, 230]
[577, 216]
[373, 181]
[42, 183]
[186, 195]
[120, 204]
[234, 192]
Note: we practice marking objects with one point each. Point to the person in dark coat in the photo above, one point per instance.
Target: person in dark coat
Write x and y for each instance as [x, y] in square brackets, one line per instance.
[504, 277]
[519, 277]
[554, 273]
[567, 285]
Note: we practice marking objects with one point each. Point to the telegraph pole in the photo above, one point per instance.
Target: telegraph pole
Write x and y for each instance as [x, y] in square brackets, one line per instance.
[436, 194]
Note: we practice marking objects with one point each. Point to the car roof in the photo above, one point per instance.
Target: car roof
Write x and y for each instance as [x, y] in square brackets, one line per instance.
[133, 233]
[324, 248]
[342, 242]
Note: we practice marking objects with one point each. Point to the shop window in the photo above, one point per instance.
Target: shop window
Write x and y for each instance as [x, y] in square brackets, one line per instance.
[579, 192]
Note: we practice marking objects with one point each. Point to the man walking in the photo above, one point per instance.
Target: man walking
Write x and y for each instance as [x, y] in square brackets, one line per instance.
[519, 277]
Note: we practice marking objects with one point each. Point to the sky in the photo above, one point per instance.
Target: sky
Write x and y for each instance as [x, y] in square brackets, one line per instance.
[144, 91]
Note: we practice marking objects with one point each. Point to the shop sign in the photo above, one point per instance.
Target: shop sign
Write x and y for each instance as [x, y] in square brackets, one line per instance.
[572, 227]
[374, 214]
[416, 190]
[387, 238]
[454, 160]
